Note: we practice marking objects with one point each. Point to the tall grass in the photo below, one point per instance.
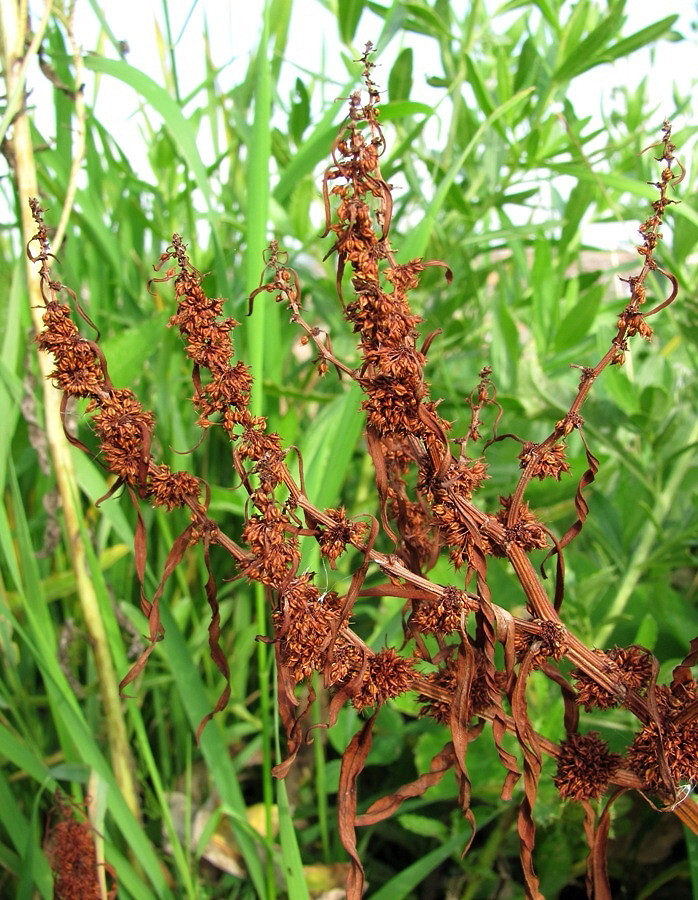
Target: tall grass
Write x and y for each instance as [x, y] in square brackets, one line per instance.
[530, 296]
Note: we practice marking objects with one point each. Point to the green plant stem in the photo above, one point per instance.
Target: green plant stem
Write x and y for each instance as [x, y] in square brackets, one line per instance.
[321, 788]
[13, 39]
[647, 541]
[171, 50]
[257, 183]
[267, 716]
[78, 132]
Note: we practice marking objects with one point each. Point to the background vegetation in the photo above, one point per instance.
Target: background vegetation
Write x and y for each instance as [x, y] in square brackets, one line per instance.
[503, 191]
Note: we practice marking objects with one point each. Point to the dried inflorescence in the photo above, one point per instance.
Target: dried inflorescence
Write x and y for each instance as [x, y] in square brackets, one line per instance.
[526, 530]
[585, 766]
[631, 669]
[387, 675]
[665, 753]
[543, 639]
[70, 848]
[440, 700]
[444, 614]
[334, 539]
[427, 490]
[304, 621]
[549, 462]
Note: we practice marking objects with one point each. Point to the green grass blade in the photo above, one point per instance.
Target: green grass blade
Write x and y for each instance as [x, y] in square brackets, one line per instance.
[10, 384]
[181, 128]
[692, 850]
[405, 881]
[261, 325]
[330, 444]
[78, 743]
[315, 149]
[590, 51]
[292, 862]
[639, 39]
[34, 869]
[197, 704]
[415, 244]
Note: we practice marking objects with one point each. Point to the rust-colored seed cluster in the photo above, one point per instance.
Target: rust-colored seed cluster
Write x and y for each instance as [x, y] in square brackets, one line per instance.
[333, 539]
[548, 463]
[672, 740]
[584, 767]
[443, 615]
[442, 685]
[545, 640]
[303, 626]
[466, 658]
[631, 668]
[389, 675]
[70, 848]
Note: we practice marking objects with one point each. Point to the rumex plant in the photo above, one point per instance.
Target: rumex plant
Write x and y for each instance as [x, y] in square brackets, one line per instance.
[462, 652]
[70, 847]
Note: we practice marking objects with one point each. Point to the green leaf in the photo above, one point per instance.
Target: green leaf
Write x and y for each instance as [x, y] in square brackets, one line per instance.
[63, 584]
[293, 864]
[529, 64]
[197, 704]
[415, 244]
[641, 38]
[574, 28]
[127, 350]
[505, 342]
[401, 109]
[315, 148]
[473, 77]
[400, 79]
[550, 12]
[402, 884]
[394, 18]
[590, 52]
[299, 117]
[181, 128]
[329, 446]
[424, 826]
[10, 382]
[348, 15]
[425, 21]
[576, 324]
[581, 197]
[544, 294]
[647, 632]
[692, 852]
[304, 193]
[610, 179]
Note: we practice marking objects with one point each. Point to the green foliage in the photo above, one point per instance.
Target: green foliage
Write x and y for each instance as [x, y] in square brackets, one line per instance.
[530, 296]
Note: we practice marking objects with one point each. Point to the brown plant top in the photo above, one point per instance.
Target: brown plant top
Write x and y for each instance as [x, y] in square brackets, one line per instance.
[70, 848]
[426, 485]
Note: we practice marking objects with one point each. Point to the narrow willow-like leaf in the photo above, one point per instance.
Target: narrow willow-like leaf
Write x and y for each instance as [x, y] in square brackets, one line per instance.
[182, 130]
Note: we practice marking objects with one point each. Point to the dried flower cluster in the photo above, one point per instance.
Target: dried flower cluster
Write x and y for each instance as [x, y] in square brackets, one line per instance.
[669, 742]
[585, 766]
[70, 847]
[426, 485]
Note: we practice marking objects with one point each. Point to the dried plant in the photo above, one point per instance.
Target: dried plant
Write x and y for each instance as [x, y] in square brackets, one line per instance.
[427, 482]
